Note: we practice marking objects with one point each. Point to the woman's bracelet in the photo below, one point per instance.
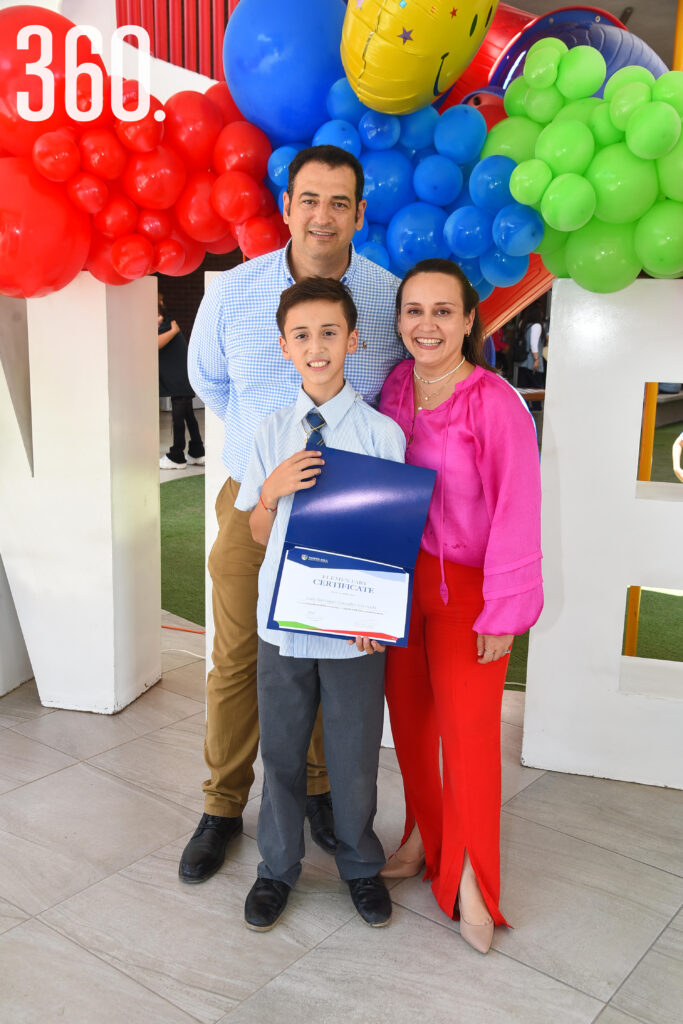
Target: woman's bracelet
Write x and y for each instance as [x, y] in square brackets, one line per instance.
[266, 507]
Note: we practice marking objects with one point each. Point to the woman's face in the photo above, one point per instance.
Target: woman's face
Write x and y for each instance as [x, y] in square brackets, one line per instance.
[433, 322]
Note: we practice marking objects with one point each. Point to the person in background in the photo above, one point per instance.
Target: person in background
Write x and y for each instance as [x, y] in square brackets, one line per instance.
[531, 373]
[174, 384]
[676, 451]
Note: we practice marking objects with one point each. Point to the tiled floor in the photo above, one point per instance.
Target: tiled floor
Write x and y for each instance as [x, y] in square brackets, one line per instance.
[95, 926]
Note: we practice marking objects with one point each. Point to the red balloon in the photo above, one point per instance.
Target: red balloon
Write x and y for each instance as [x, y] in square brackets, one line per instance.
[56, 155]
[145, 134]
[268, 204]
[132, 256]
[219, 93]
[169, 257]
[87, 192]
[17, 135]
[102, 153]
[154, 224]
[44, 241]
[228, 243]
[194, 212]
[242, 147]
[154, 179]
[191, 127]
[236, 197]
[258, 236]
[194, 253]
[84, 103]
[99, 261]
[117, 217]
[278, 220]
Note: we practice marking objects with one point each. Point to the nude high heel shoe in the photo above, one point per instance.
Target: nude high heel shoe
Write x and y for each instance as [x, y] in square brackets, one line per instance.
[398, 867]
[478, 936]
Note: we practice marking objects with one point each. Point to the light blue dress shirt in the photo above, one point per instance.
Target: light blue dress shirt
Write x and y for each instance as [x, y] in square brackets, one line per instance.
[350, 424]
[235, 363]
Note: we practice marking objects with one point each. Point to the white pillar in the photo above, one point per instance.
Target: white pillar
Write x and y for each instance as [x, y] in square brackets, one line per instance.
[589, 710]
[79, 486]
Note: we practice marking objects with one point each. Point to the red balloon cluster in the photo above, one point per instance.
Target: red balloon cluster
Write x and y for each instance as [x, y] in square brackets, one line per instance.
[122, 199]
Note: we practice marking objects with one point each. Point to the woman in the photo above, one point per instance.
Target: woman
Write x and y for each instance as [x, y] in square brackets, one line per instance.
[174, 384]
[477, 584]
[531, 372]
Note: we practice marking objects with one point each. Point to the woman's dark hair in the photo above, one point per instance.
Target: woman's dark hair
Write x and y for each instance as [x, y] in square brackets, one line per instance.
[331, 156]
[473, 344]
[312, 289]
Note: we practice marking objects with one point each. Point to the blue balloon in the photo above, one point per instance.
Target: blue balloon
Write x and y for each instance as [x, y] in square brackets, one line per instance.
[406, 150]
[360, 237]
[280, 60]
[388, 184]
[484, 288]
[517, 229]
[417, 129]
[377, 253]
[377, 233]
[416, 233]
[503, 270]
[379, 131]
[437, 180]
[343, 104]
[281, 200]
[422, 154]
[460, 133]
[490, 183]
[338, 133]
[470, 269]
[278, 164]
[468, 232]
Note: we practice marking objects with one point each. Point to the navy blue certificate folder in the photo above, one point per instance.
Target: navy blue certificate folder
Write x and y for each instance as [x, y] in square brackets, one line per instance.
[371, 512]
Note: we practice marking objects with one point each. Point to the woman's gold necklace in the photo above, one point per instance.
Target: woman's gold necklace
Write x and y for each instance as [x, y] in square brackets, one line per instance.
[435, 380]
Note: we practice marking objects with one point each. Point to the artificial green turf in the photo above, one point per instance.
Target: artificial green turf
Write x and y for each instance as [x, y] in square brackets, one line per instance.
[660, 626]
[662, 464]
[182, 548]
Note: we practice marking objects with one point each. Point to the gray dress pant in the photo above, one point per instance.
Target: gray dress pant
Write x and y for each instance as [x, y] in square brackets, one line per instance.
[351, 693]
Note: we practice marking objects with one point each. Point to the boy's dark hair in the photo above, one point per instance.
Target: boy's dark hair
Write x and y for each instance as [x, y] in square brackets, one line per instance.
[312, 289]
[332, 156]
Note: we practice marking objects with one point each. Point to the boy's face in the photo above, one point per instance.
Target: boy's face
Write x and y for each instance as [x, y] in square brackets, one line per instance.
[317, 339]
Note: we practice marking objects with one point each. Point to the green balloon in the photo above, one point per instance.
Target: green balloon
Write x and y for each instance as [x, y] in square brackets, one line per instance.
[551, 241]
[653, 131]
[568, 202]
[659, 239]
[556, 262]
[625, 186]
[556, 44]
[542, 105]
[578, 110]
[540, 67]
[566, 147]
[669, 89]
[582, 71]
[514, 97]
[600, 123]
[626, 101]
[670, 172]
[601, 257]
[514, 137]
[529, 180]
[631, 73]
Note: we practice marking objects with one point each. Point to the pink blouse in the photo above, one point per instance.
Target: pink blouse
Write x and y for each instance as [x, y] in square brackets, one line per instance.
[485, 509]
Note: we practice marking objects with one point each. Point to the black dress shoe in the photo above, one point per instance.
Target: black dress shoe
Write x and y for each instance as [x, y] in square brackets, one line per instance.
[205, 852]
[321, 818]
[264, 904]
[371, 899]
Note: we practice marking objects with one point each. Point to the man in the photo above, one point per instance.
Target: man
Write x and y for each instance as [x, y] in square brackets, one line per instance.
[235, 366]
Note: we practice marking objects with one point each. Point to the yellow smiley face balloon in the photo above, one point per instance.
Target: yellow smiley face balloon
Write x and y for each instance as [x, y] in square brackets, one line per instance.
[399, 55]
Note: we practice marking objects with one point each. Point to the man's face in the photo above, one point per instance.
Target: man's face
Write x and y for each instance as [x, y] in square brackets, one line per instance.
[321, 213]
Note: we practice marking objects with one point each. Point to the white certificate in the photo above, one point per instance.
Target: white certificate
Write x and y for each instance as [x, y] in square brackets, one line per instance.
[323, 592]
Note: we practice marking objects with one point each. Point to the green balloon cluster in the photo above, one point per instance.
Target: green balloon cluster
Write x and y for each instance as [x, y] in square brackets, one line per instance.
[605, 174]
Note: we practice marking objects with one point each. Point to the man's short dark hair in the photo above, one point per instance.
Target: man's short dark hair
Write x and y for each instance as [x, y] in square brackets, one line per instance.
[332, 156]
[313, 289]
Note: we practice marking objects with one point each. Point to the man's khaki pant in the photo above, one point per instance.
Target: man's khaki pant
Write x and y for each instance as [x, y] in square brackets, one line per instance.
[232, 731]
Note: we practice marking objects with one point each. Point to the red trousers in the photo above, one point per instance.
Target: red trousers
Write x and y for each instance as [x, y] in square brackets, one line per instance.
[437, 692]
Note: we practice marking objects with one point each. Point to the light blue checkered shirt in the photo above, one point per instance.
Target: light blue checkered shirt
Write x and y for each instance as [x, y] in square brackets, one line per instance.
[235, 363]
[350, 424]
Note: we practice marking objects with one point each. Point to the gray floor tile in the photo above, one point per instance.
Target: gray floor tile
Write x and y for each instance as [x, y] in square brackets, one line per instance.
[643, 822]
[654, 992]
[177, 657]
[412, 970]
[515, 776]
[512, 710]
[22, 705]
[181, 633]
[83, 734]
[46, 978]
[188, 680]
[10, 916]
[208, 960]
[388, 759]
[23, 760]
[68, 830]
[611, 1016]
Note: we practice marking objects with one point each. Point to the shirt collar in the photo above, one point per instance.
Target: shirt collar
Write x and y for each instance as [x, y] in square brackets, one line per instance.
[333, 412]
[347, 277]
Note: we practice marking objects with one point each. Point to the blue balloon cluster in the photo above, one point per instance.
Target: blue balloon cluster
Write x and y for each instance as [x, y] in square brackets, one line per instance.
[427, 192]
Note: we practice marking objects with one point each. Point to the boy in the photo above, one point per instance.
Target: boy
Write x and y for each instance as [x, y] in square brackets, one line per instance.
[298, 671]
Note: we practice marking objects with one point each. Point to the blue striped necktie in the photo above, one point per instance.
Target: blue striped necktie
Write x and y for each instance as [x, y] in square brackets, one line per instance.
[315, 437]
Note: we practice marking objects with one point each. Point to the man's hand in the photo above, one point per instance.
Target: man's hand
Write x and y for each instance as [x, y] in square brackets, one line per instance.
[297, 473]
[491, 648]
